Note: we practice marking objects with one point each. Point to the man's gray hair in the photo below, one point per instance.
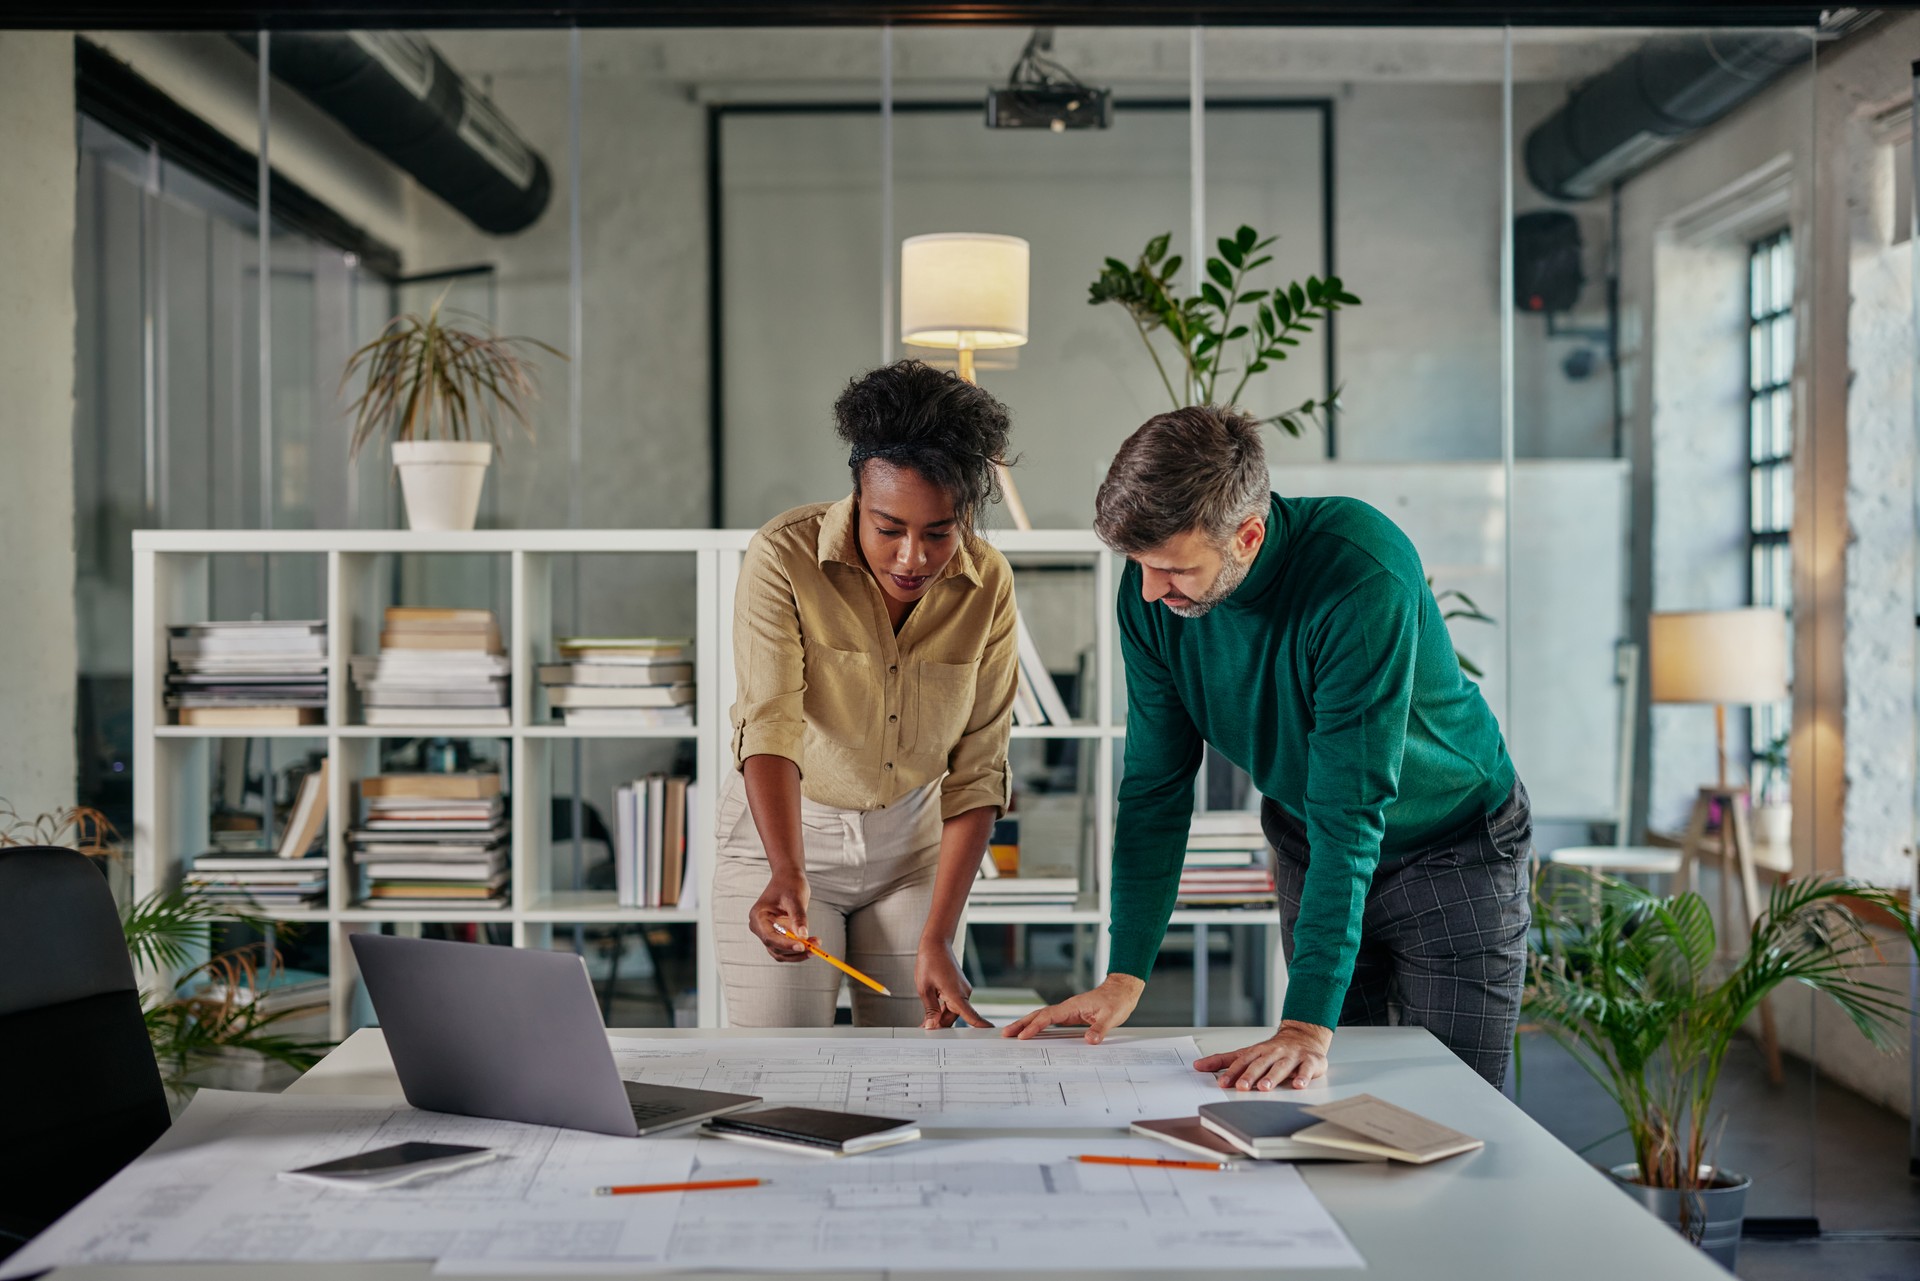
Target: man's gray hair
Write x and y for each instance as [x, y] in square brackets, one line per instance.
[1200, 468]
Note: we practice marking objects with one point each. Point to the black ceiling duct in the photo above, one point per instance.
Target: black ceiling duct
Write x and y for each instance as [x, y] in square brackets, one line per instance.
[396, 93]
[1649, 102]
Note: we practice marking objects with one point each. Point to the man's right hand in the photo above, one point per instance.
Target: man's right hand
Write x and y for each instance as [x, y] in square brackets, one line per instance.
[1104, 1008]
[785, 901]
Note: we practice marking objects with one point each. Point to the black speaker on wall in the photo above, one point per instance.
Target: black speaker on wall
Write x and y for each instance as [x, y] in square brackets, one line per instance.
[1547, 276]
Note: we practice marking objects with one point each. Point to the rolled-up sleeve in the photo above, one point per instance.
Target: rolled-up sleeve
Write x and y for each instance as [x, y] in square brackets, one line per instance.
[977, 773]
[769, 662]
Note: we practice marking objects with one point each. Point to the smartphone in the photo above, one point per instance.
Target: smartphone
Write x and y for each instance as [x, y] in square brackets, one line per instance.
[388, 1166]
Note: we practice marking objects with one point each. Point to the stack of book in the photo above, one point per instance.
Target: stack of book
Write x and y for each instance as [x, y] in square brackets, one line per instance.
[650, 817]
[239, 874]
[1001, 882]
[1036, 699]
[272, 992]
[243, 675]
[1227, 863]
[621, 681]
[432, 841]
[435, 667]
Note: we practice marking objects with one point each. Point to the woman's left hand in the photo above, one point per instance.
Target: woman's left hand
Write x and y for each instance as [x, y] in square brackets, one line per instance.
[943, 988]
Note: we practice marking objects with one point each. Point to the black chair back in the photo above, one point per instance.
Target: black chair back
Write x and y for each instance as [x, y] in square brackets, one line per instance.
[80, 1093]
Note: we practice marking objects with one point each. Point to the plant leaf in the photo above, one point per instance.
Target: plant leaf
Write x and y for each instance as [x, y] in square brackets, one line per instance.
[1218, 270]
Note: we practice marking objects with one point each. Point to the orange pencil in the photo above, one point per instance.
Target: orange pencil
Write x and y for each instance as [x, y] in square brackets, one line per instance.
[630, 1189]
[1152, 1162]
[832, 960]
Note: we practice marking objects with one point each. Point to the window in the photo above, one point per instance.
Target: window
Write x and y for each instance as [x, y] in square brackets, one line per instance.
[1770, 346]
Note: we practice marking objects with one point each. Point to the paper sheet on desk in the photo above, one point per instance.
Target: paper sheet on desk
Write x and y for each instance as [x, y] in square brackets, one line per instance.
[985, 1205]
[207, 1191]
[950, 1082]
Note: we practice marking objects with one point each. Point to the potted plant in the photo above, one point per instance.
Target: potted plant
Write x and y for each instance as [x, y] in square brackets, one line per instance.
[1203, 328]
[203, 1021]
[1632, 988]
[1204, 335]
[442, 395]
[1772, 811]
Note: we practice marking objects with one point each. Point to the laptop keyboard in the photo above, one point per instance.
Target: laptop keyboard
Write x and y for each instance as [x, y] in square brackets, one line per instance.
[645, 1112]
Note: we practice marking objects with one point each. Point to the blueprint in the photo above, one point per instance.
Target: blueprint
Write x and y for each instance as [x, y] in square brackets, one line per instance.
[959, 1083]
[208, 1191]
[984, 1205]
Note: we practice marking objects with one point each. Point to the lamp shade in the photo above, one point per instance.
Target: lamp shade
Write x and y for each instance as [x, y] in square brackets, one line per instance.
[1729, 656]
[963, 289]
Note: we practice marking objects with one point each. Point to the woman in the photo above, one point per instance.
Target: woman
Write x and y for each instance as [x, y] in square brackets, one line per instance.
[875, 654]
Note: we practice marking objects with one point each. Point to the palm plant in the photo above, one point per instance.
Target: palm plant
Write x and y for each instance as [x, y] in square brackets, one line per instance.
[429, 380]
[1632, 988]
[1271, 321]
[207, 1008]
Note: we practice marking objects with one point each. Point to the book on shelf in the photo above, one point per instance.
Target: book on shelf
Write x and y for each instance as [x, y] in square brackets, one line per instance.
[1026, 891]
[478, 785]
[251, 717]
[626, 649]
[252, 881]
[639, 672]
[426, 838]
[309, 817]
[244, 675]
[650, 841]
[1039, 681]
[1003, 848]
[269, 991]
[628, 717]
[435, 667]
[620, 695]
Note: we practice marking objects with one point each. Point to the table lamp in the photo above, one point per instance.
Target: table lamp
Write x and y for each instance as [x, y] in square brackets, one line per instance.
[965, 292]
[1719, 656]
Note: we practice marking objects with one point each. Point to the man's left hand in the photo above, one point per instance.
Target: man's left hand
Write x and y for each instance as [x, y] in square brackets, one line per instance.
[1295, 1054]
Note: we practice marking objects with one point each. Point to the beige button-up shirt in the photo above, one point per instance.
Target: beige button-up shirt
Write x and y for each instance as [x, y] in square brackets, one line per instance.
[869, 716]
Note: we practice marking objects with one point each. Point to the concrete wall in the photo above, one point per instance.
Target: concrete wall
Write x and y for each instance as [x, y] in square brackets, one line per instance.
[36, 420]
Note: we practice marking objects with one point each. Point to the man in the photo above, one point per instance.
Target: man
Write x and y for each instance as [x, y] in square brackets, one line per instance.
[1299, 637]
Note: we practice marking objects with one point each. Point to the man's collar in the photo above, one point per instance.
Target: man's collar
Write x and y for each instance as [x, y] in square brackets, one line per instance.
[839, 541]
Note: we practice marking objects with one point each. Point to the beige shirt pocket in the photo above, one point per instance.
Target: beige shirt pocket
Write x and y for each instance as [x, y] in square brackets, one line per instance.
[944, 699]
[843, 699]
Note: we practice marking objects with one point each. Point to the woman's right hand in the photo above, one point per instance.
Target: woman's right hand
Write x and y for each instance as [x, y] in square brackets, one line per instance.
[783, 901]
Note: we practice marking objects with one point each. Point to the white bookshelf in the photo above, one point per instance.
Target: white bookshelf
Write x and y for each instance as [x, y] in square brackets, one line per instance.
[172, 772]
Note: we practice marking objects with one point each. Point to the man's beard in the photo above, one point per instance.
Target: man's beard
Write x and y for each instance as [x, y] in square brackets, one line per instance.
[1232, 573]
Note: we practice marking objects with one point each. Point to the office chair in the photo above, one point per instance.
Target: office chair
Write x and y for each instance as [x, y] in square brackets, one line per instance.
[82, 1093]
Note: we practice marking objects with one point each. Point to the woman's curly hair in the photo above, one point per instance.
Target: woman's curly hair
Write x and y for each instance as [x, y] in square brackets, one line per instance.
[947, 429]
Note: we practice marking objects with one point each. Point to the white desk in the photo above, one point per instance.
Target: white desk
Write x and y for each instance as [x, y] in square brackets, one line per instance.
[1524, 1207]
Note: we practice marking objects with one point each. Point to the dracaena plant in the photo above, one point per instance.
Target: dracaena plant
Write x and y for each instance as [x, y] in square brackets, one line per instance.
[427, 379]
[207, 1006]
[1226, 330]
[1629, 983]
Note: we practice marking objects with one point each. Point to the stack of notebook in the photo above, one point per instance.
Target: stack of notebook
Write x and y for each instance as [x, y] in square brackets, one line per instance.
[1361, 1128]
[241, 675]
[621, 681]
[254, 880]
[1227, 862]
[650, 842]
[432, 840]
[435, 667]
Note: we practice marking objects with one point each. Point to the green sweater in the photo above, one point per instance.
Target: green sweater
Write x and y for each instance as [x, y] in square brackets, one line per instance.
[1329, 677]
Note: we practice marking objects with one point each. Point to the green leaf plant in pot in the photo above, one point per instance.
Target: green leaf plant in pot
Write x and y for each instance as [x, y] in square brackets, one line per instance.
[442, 395]
[200, 1005]
[1630, 983]
[1234, 328]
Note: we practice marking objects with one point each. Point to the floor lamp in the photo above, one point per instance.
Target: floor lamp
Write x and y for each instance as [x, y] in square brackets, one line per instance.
[1724, 657]
[964, 292]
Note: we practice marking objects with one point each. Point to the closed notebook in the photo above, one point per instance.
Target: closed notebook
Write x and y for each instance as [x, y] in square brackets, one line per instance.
[813, 1130]
[1268, 1129]
[1374, 1127]
[1185, 1133]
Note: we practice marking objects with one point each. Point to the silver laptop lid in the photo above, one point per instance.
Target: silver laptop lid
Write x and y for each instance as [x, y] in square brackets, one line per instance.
[501, 1032]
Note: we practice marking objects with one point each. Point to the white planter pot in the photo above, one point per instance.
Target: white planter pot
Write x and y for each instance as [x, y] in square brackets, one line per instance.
[1773, 825]
[441, 481]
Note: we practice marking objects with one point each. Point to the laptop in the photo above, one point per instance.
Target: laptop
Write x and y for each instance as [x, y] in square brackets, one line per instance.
[513, 1034]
